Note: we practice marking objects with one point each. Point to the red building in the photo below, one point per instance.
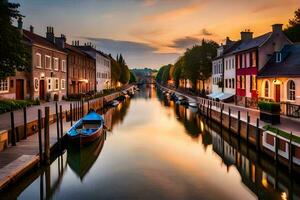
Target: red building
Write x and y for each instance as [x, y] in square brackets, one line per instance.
[250, 56]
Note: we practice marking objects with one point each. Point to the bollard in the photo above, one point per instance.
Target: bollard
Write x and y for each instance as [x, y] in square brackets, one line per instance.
[25, 122]
[13, 136]
[40, 135]
[257, 135]
[247, 131]
[291, 154]
[46, 136]
[239, 124]
[57, 120]
[71, 114]
[61, 125]
[221, 116]
[229, 118]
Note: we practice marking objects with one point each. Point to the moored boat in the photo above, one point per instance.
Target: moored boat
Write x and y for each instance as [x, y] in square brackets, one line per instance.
[87, 129]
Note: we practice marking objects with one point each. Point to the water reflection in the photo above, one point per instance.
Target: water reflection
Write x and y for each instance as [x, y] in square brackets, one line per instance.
[156, 149]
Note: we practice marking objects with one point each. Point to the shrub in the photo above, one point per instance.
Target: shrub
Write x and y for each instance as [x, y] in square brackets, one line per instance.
[10, 105]
[56, 97]
[269, 106]
[48, 96]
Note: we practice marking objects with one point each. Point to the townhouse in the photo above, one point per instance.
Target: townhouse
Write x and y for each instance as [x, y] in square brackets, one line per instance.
[103, 67]
[250, 57]
[279, 79]
[47, 78]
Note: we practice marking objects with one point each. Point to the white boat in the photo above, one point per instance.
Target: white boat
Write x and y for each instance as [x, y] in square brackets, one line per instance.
[193, 104]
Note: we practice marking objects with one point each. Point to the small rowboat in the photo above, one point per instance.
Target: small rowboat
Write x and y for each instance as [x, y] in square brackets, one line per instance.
[87, 129]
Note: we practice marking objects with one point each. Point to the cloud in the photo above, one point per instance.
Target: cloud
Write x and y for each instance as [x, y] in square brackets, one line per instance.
[205, 32]
[137, 54]
[185, 42]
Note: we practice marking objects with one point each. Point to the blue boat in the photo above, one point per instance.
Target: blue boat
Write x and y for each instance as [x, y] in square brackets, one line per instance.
[87, 129]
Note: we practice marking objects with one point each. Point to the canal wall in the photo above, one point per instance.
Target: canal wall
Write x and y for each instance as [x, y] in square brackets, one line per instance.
[248, 127]
[23, 154]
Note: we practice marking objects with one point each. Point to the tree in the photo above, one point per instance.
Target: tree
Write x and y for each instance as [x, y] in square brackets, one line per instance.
[125, 73]
[115, 71]
[177, 73]
[14, 55]
[166, 73]
[132, 78]
[293, 29]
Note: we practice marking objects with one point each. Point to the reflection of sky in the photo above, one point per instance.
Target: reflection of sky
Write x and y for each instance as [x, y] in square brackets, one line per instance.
[153, 32]
[151, 156]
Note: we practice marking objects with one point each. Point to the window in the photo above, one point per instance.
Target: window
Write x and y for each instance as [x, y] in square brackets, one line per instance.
[49, 84]
[247, 60]
[253, 59]
[55, 63]
[253, 82]
[278, 57]
[63, 84]
[291, 89]
[38, 60]
[266, 91]
[238, 82]
[56, 84]
[48, 62]
[242, 82]
[238, 61]
[4, 85]
[36, 84]
[232, 80]
[229, 80]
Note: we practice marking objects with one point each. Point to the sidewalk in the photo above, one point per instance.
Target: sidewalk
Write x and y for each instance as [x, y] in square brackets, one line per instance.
[287, 124]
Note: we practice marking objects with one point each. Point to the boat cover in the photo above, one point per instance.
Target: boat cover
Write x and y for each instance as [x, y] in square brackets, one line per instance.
[92, 116]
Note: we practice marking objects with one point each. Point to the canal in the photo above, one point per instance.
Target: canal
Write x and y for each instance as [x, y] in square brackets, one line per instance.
[155, 149]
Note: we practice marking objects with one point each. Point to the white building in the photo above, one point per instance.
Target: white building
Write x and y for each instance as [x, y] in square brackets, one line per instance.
[103, 67]
[217, 72]
[229, 74]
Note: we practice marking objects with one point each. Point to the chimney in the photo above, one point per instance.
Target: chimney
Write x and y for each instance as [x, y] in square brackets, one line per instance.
[50, 34]
[246, 35]
[20, 24]
[31, 28]
[61, 41]
[277, 28]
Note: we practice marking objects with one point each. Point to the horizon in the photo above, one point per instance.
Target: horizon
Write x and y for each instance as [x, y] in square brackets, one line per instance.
[153, 33]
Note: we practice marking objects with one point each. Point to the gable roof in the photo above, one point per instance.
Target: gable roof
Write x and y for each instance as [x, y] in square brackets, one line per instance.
[77, 50]
[90, 48]
[39, 40]
[289, 66]
[253, 43]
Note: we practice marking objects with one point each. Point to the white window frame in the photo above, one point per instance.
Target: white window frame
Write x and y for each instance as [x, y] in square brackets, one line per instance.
[278, 57]
[289, 90]
[38, 85]
[267, 81]
[56, 68]
[47, 56]
[2, 85]
[63, 66]
[62, 84]
[40, 60]
[49, 84]
[55, 80]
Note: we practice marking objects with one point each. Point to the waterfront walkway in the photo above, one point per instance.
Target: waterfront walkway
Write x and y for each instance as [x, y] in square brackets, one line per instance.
[287, 124]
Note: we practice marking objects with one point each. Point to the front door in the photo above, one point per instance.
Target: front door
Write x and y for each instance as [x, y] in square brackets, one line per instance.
[277, 93]
[42, 90]
[19, 89]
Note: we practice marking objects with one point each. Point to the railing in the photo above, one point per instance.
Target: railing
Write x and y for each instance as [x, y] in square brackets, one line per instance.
[293, 110]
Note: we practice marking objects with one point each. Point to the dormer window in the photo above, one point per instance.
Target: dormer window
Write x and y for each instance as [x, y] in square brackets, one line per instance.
[278, 57]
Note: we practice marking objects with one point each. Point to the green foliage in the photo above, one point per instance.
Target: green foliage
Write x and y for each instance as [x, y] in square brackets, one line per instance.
[8, 105]
[177, 73]
[269, 106]
[159, 74]
[282, 133]
[132, 78]
[125, 73]
[115, 71]
[293, 29]
[163, 74]
[14, 55]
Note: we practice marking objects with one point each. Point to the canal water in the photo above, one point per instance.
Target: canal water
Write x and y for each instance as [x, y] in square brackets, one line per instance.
[155, 149]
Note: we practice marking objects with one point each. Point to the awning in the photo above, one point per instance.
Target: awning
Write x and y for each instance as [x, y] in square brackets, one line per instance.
[225, 96]
[212, 95]
[219, 95]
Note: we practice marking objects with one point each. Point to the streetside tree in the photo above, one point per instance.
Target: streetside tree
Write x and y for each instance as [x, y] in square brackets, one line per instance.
[132, 78]
[178, 71]
[125, 73]
[293, 28]
[14, 55]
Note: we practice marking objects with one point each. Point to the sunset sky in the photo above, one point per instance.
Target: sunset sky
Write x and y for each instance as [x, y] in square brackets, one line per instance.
[151, 33]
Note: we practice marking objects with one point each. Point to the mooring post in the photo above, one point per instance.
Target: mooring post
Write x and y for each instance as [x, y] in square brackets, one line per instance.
[17, 134]
[82, 108]
[57, 121]
[276, 147]
[229, 118]
[40, 135]
[221, 117]
[88, 103]
[291, 154]
[46, 136]
[239, 123]
[257, 135]
[248, 127]
[61, 125]
[25, 122]
[71, 114]
[13, 136]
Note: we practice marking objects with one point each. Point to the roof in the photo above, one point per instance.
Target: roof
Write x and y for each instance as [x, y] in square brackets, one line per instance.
[90, 48]
[39, 40]
[77, 50]
[289, 66]
[253, 43]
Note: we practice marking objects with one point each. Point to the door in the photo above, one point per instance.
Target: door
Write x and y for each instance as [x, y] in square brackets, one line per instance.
[19, 89]
[42, 90]
[277, 93]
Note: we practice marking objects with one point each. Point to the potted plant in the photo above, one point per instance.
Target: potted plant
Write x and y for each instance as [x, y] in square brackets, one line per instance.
[269, 112]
